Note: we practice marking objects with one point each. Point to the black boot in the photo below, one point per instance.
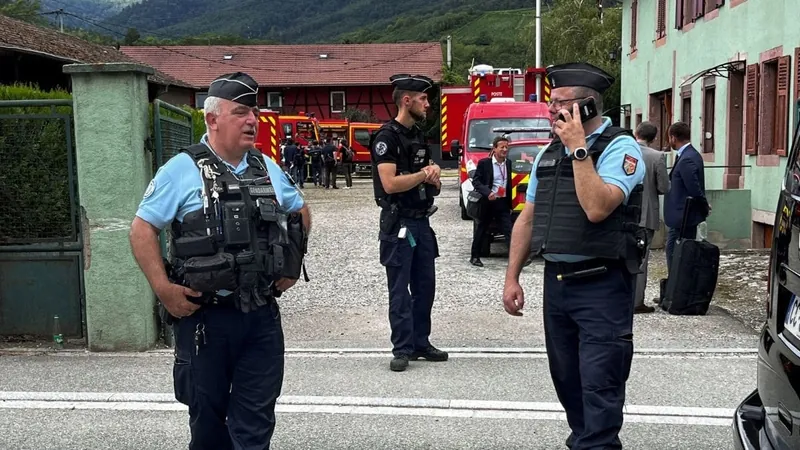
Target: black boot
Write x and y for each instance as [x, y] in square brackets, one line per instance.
[431, 354]
[399, 363]
[476, 262]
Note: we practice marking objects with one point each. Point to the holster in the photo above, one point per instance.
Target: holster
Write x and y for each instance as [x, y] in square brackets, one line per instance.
[295, 250]
[390, 219]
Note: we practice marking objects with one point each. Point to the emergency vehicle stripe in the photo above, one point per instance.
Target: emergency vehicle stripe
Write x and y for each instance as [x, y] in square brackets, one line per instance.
[476, 89]
[444, 120]
[272, 120]
[263, 119]
[546, 90]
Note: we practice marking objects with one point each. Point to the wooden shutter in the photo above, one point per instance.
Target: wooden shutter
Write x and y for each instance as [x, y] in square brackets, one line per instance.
[679, 14]
[710, 5]
[698, 9]
[634, 21]
[751, 110]
[662, 18]
[782, 105]
[797, 75]
[719, 3]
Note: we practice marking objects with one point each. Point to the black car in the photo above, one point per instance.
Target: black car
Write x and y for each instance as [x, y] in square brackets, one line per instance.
[769, 418]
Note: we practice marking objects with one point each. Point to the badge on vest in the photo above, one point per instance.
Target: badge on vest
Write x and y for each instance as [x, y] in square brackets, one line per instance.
[381, 148]
[629, 165]
[547, 163]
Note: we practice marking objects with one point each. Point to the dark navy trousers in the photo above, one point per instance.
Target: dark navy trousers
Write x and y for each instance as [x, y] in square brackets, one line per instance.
[411, 275]
[232, 382]
[589, 338]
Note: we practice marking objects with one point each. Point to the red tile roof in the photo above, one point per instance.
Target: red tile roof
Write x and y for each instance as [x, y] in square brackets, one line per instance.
[295, 65]
[25, 37]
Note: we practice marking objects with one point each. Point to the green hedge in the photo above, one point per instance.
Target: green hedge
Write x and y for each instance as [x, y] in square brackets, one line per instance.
[36, 199]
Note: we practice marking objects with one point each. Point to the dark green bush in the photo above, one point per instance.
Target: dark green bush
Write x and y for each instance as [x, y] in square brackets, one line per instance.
[35, 177]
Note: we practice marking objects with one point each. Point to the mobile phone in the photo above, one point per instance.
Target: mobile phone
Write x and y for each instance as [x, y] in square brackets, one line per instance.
[588, 110]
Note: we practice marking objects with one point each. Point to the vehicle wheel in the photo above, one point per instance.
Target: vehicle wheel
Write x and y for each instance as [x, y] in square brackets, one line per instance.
[464, 215]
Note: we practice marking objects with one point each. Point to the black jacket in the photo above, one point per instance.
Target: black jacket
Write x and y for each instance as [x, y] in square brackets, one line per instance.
[483, 179]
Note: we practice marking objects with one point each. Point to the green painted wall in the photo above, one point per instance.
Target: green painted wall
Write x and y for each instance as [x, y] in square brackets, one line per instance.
[110, 107]
[745, 30]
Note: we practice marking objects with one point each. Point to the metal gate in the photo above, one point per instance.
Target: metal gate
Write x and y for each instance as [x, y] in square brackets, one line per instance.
[41, 248]
[172, 131]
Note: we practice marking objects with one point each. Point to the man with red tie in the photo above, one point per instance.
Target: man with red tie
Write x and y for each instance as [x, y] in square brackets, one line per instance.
[493, 180]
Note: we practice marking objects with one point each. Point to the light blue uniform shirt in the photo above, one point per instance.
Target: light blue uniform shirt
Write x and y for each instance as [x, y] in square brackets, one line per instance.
[177, 189]
[609, 167]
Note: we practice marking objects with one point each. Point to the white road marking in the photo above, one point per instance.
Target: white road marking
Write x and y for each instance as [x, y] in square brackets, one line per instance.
[455, 352]
[126, 401]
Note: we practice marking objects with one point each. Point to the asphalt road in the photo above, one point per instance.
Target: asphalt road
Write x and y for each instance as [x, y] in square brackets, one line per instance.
[495, 392]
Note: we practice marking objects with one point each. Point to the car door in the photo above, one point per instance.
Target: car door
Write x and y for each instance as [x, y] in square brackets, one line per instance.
[779, 365]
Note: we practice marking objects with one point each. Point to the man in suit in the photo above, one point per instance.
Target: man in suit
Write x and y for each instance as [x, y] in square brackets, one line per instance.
[656, 182]
[492, 179]
[687, 179]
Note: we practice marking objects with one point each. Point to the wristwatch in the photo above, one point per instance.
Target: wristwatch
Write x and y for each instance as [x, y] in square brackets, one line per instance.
[580, 154]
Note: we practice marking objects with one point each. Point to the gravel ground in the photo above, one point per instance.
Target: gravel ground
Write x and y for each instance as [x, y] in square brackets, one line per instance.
[343, 261]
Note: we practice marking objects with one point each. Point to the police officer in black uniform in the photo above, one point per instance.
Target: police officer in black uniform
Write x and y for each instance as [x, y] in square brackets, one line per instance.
[405, 182]
[582, 216]
[239, 231]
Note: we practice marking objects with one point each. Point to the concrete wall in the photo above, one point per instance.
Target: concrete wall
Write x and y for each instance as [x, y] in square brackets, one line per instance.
[111, 125]
[747, 30]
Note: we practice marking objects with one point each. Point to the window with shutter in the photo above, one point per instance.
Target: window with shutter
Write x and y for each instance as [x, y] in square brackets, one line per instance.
[751, 111]
[698, 9]
[797, 75]
[782, 106]
[661, 26]
[634, 22]
[719, 3]
[679, 14]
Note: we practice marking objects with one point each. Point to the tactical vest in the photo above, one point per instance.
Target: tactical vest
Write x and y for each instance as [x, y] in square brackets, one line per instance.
[414, 154]
[561, 226]
[239, 243]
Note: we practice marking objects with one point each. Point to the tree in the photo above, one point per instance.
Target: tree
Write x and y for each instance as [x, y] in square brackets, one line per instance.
[572, 32]
[131, 36]
[27, 10]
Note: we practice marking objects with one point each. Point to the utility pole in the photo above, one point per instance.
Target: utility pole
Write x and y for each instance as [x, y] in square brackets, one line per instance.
[538, 49]
[60, 14]
[449, 52]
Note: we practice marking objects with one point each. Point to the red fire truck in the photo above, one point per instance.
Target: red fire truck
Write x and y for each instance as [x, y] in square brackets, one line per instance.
[357, 135]
[526, 121]
[273, 128]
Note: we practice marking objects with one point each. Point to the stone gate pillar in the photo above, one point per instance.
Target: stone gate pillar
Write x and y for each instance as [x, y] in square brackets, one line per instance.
[110, 106]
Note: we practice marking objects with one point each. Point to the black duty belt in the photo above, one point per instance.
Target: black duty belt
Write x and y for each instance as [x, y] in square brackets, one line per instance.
[413, 213]
[584, 269]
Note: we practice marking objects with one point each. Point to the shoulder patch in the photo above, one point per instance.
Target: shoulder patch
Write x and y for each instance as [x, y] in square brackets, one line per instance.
[381, 148]
[150, 188]
[629, 164]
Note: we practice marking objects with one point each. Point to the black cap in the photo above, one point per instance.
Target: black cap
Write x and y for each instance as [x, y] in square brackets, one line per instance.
[579, 74]
[238, 87]
[413, 83]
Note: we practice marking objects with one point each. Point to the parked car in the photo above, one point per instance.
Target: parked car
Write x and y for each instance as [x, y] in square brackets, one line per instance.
[769, 418]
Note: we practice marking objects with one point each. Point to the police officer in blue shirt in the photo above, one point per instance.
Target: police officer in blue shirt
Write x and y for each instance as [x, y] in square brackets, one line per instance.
[581, 215]
[405, 182]
[239, 229]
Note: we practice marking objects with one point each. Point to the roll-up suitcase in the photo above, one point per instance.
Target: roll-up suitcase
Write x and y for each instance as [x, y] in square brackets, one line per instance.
[693, 274]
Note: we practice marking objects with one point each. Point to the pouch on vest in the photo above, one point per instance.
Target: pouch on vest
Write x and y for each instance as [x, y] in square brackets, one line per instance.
[211, 273]
[188, 246]
[296, 248]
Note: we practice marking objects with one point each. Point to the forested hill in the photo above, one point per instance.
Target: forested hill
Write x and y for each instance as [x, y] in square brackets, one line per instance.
[309, 21]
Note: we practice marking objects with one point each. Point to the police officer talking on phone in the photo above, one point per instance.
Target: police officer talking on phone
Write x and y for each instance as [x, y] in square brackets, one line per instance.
[405, 183]
[581, 214]
[239, 231]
